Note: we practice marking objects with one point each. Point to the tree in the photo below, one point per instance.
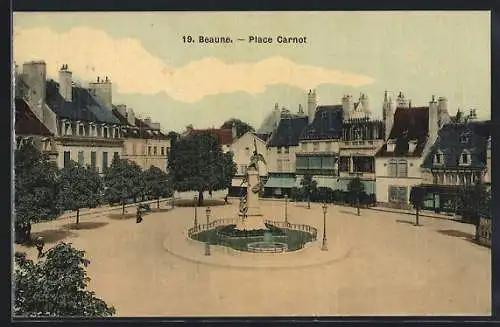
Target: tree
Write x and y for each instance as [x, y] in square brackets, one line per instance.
[123, 181]
[476, 201]
[173, 136]
[79, 187]
[35, 190]
[156, 183]
[356, 189]
[241, 127]
[417, 200]
[56, 286]
[309, 185]
[197, 163]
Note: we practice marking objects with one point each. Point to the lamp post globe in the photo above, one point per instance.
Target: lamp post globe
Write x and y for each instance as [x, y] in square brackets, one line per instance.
[324, 246]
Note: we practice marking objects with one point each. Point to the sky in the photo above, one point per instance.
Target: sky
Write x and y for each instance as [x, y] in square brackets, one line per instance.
[177, 83]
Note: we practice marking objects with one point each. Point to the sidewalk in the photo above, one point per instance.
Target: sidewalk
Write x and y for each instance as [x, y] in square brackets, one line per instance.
[87, 213]
[423, 213]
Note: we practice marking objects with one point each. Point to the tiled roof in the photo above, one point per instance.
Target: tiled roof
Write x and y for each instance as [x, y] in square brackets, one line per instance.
[454, 138]
[327, 124]
[288, 132]
[26, 121]
[409, 124]
[83, 106]
[224, 136]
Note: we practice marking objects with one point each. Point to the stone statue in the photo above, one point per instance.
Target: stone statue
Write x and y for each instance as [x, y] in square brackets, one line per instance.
[256, 158]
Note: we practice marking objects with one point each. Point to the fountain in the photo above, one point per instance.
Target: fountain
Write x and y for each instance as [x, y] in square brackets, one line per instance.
[252, 232]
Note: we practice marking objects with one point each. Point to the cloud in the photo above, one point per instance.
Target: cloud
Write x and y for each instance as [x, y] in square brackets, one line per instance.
[91, 52]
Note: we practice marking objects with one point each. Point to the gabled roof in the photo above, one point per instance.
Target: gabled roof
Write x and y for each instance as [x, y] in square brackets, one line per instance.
[288, 132]
[27, 123]
[409, 124]
[449, 143]
[83, 106]
[327, 124]
[224, 136]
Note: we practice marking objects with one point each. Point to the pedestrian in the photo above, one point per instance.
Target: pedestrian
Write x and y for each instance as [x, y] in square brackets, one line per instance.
[210, 193]
[138, 216]
[39, 246]
[225, 200]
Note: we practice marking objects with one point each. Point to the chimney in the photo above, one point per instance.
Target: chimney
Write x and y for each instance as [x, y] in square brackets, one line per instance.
[365, 103]
[442, 110]
[234, 131]
[347, 106]
[401, 101]
[147, 121]
[301, 110]
[102, 89]
[311, 105]
[35, 76]
[472, 115]
[387, 114]
[65, 83]
[433, 119]
[131, 116]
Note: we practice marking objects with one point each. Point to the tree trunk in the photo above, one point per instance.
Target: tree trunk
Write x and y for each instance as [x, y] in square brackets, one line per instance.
[200, 198]
[158, 203]
[309, 201]
[417, 218]
[357, 207]
[123, 208]
[77, 216]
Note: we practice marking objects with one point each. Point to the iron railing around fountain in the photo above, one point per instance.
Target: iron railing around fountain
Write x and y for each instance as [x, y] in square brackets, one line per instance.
[302, 227]
[215, 223]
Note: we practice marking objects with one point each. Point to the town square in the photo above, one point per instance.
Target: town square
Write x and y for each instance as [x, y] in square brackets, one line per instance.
[230, 180]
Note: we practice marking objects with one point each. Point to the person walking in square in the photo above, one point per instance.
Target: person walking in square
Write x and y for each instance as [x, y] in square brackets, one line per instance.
[225, 200]
[138, 216]
[39, 246]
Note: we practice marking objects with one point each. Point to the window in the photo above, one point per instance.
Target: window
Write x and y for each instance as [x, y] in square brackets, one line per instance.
[93, 160]
[162, 151]
[143, 150]
[134, 148]
[328, 163]
[402, 168]
[105, 132]
[287, 149]
[279, 149]
[398, 194]
[315, 162]
[247, 151]
[154, 151]
[301, 163]
[315, 146]
[465, 158]
[116, 156]
[149, 150]
[67, 158]
[392, 168]
[80, 157]
[438, 158]
[104, 160]
[80, 130]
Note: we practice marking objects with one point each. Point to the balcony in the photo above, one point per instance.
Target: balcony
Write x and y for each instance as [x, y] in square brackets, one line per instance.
[369, 144]
[360, 174]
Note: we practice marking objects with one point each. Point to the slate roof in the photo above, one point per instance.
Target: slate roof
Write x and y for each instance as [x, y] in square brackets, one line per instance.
[409, 124]
[450, 145]
[139, 130]
[224, 136]
[263, 136]
[327, 124]
[288, 132]
[27, 123]
[83, 106]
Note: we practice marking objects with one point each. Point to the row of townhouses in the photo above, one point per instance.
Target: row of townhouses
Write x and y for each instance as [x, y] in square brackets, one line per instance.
[409, 146]
[73, 123]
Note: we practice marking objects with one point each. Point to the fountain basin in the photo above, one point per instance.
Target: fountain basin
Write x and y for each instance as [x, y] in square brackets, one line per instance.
[267, 247]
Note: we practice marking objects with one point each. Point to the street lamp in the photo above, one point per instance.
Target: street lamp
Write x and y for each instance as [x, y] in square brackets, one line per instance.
[195, 212]
[207, 244]
[286, 209]
[324, 246]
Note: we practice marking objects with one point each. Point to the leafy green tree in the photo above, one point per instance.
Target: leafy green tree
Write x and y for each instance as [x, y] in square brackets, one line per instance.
[123, 181]
[308, 186]
[241, 126]
[356, 189]
[79, 187]
[156, 183]
[417, 200]
[476, 201]
[173, 136]
[197, 163]
[56, 286]
[35, 190]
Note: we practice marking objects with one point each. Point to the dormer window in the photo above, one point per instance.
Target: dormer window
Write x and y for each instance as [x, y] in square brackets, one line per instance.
[391, 145]
[412, 144]
[438, 158]
[465, 158]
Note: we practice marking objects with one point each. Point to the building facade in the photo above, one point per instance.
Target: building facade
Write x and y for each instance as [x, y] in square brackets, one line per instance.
[144, 143]
[85, 130]
[413, 130]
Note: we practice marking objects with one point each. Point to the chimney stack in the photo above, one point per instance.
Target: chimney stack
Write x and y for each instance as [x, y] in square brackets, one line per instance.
[311, 105]
[65, 83]
[433, 119]
[234, 131]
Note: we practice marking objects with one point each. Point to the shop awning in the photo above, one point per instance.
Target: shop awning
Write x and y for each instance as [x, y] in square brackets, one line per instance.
[281, 182]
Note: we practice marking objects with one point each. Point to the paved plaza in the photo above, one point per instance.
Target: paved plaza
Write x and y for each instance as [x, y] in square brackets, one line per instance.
[377, 264]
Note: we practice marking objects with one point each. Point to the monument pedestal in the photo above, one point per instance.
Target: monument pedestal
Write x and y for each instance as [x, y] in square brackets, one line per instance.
[253, 219]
